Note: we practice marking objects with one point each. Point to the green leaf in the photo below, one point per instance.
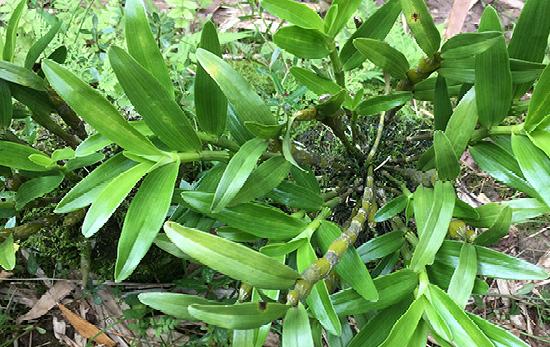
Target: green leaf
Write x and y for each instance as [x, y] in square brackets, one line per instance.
[317, 84]
[525, 71]
[492, 263]
[244, 338]
[530, 36]
[463, 210]
[40, 45]
[303, 43]
[111, 197]
[377, 26]
[264, 131]
[16, 156]
[236, 173]
[96, 110]
[80, 162]
[462, 282]
[252, 218]
[526, 208]
[6, 105]
[350, 267]
[383, 103]
[11, 31]
[86, 191]
[539, 107]
[163, 242]
[346, 9]
[446, 162]
[239, 316]
[384, 56]
[7, 253]
[294, 12]
[20, 75]
[35, 188]
[499, 336]
[443, 108]
[405, 326]
[306, 179]
[534, 164]
[381, 246]
[391, 288]
[329, 20]
[293, 195]
[467, 45]
[391, 208]
[262, 180]
[173, 304]
[247, 104]
[433, 231]
[501, 166]
[493, 79]
[422, 25]
[142, 45]
[144, 218]
[231, 259]
[318, 300]
[441, 275]
[157, 107]
[463, 330]
[210, 103]
[296, 328]
[498, 230]
[540, 136]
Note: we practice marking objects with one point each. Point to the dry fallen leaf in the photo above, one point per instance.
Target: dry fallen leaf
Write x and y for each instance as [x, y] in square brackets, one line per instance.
[458, 16]
[85, 328]
[47, 301]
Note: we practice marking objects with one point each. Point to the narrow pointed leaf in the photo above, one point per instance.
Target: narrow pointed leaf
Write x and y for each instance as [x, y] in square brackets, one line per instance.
[11, 31]
[346, 9]
[7, 253]
[35, 188]
[6, 105]
[96, 110]
[142, 45]
[20, 75]
[40, 45]
[294, 12]
[467, 45]
[462, 282]
[173, 304]
[16, 156]
[441, 276]
[383, 103]
[442, 104]
[381, 246]
[293, 195]
[303, 43]
[526, 208]
[498, 230]
[499, 336]
[405, 326]
[446, 162]
[539, 107]
[296, 328]
[391, 208]
[231, 259]
[317, 84]
[384, 56]
[422, 25]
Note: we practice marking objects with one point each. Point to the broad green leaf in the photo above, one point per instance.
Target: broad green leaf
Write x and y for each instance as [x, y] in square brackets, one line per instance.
[142, 45]
[384, 56]
[383, 103]
[237, 171]
[441, 275]
[163, 242]
[42, 160]
[64, 153]
[262, 180]
[112, 195]
[346, 9]
[86, 191]
[381, 246]
[433, 231]
[330, 20]
[539, 107]
[424, 90]
[157, 107]
[210, 103]
[247, 104]
[493, 79]
[306, 179]
[405, 326]
[280, 249]
[446, 162]
[377, 26]
[463, 210]
[20, 75]
[499, 336]
[11, 31]
[422, 25]
[462, 282]
[80, 162]
[303, 43]
[6, 105]
[239, 316]
[96, 110]
[317, 84]
[379, 326]
[498, 230]
[294, 12]
[173, 304]
[253, 218]
[350, 267]
[423, 201]
[293, 195]
[16, 156]
[464, 331]
[525, 71]
[534, 164]
[7, 253]
[318, 300]
[540, 136]
[391, 288]
[264, 131]
[492, 263]
[144, 218]
[231, 259]
[244, 338]
[40, 45]
[467, 45]
[419, 337]
[391, 208]
[526, 208]
[530, 36]
[443, 108]
[501, 165]
[35, 188]
[296, 328]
